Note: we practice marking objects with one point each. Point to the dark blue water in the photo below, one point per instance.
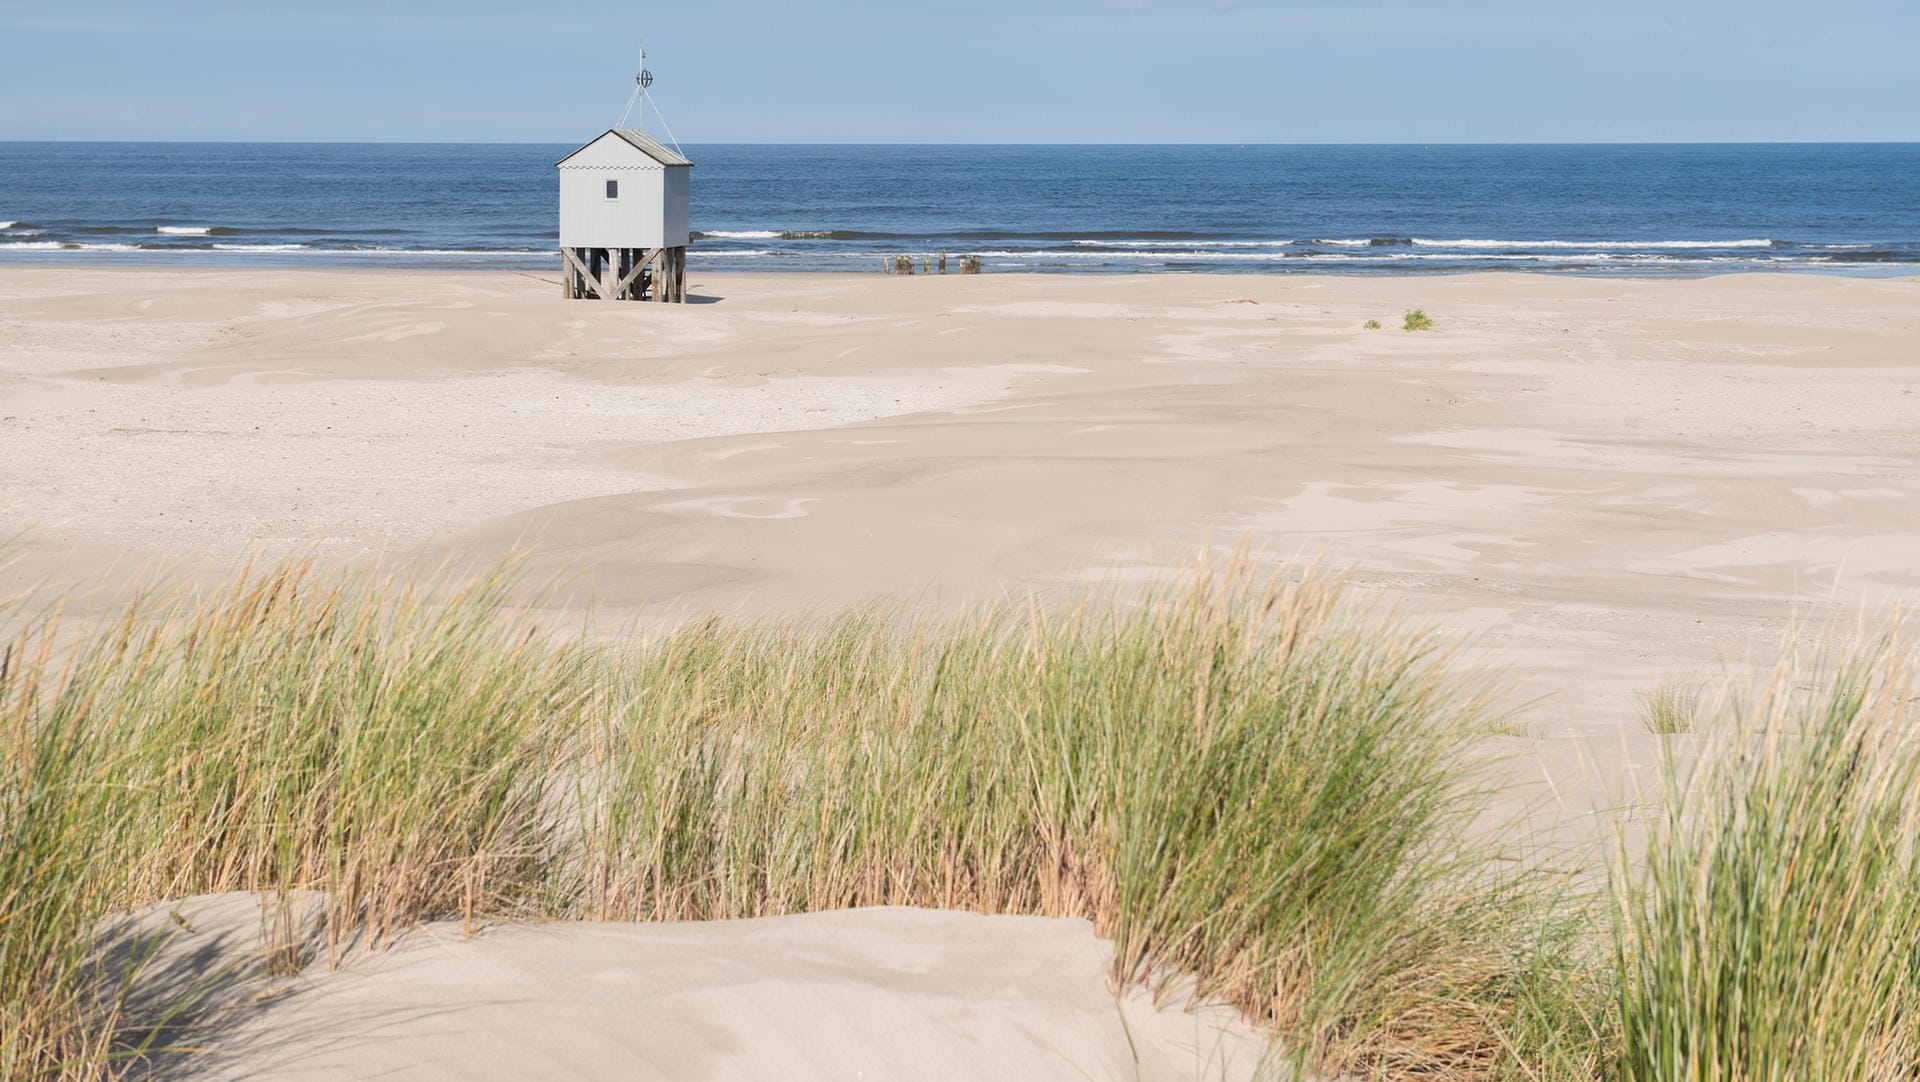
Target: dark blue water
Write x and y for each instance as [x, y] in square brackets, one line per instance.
[1660, 209]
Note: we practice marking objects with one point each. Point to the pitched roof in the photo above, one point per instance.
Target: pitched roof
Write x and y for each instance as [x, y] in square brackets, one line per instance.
[644, 143]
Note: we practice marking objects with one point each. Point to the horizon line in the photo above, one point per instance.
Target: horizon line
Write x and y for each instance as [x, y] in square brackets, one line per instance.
[1023, 143]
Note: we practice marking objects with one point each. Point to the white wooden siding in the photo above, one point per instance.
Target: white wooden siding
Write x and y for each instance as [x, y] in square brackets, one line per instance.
[651, 212]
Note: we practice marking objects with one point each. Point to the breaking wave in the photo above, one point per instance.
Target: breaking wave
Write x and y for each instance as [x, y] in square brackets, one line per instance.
[772, 234]
[1605, 245]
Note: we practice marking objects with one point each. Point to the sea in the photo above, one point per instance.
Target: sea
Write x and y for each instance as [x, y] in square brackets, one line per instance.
[1661, 209]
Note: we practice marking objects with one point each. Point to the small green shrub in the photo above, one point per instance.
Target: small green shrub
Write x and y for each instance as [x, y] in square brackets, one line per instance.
[1372, 325]
[1670, 709]
[1418, 320]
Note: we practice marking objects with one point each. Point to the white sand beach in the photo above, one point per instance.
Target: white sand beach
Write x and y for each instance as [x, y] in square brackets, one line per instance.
[1605, 483]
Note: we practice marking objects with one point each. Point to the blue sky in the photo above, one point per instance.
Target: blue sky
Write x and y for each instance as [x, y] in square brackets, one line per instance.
[967, 70]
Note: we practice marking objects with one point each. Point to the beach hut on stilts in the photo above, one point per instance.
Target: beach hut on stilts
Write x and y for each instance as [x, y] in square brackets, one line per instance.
[624, 213]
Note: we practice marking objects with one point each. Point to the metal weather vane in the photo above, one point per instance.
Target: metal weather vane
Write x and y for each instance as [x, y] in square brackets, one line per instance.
[642, 83]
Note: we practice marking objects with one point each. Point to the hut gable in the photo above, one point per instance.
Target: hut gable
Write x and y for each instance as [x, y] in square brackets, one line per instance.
[615, 149]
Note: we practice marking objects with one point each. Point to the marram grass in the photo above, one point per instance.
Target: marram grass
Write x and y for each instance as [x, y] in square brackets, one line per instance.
[1772, 931]
[1671, 708]
[1244, 782]
[286, 734]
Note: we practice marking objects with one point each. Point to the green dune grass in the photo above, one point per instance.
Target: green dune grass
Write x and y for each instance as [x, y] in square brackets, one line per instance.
[1771, 930]
[1245, 782]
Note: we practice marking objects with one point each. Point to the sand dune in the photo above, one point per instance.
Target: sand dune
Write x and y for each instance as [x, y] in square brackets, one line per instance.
[878, 993]
[1608, 482]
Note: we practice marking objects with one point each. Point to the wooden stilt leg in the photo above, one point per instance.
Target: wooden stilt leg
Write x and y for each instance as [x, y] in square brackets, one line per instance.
[616, 274]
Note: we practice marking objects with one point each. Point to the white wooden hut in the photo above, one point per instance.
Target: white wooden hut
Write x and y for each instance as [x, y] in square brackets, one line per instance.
[624, 219]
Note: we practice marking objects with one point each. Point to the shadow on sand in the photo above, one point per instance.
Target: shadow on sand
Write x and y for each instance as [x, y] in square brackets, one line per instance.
[192, 980]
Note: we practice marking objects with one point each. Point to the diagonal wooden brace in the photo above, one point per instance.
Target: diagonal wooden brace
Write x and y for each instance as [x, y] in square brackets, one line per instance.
[586, 276]
[634, 274]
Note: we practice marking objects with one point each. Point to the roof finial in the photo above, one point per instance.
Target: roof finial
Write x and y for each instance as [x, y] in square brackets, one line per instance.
[641, 82]
[644, 80]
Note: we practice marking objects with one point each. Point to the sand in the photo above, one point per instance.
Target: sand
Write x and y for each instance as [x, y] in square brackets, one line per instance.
[874, 993]
[1607, 483]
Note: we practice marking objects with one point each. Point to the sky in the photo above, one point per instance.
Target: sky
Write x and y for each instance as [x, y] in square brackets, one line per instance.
[966, 71]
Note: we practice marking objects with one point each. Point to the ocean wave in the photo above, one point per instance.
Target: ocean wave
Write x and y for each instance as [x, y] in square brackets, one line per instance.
[1383, 258]
[773, 234]
[1870, 255]
[1594, 245]
[437, 251]
[264, 248]
[1163, 256]
[1520, 257]
[8, 225]
[64, 246]
[1196, 244]
[953, 239]
[191, 230]
[316, 231]
[517, 253]
[1365, 242]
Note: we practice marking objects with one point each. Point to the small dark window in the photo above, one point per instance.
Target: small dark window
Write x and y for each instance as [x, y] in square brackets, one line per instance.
[613, 189]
